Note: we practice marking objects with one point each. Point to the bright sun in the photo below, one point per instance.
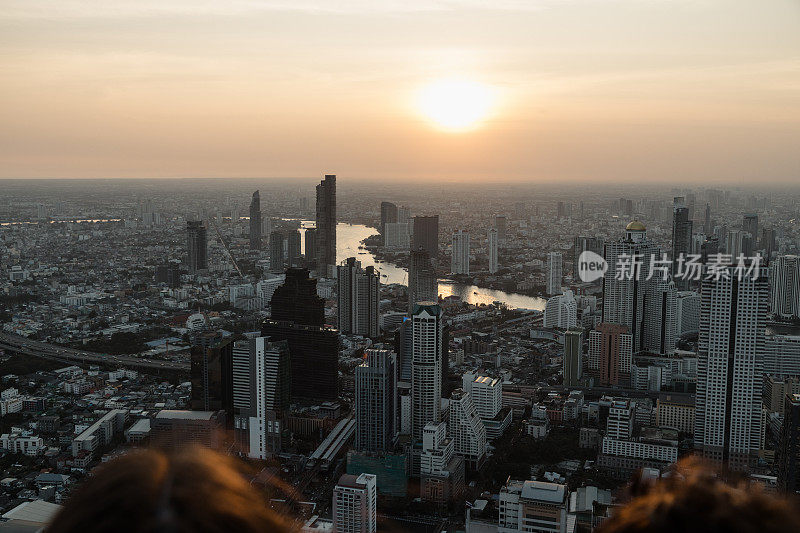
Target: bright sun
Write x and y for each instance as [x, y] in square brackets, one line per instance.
[455, 105]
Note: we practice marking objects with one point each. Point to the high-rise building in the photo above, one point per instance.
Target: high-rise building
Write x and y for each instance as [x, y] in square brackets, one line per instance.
[174, 429]
[293, 248]
[298, 317]
[459, 261]
[441, 470]
[355, 504]
[554, 273]
[661, 302]
[426, 236]
[681, 238]
[707, 227]
[501, 225]
[561, 311]
[423, 285]
[625, 283]
[276, 257]
[491, 247]
[375, 402]
[728, 421]
[212, 377]
[296, 300]
[573, 357]
[687, 312]
[196, 245]
[582, 244]
[404, 215]
[466, 429]
[261, 394]
[426, 367]
[388, 215]
[750, 225]
[255, 222]
[788, 453]
[784, 286]
[533, 506]
[310, 250]
[486, 393]
[358, 295]
[326, 225]
[396, 236]
[610, 354]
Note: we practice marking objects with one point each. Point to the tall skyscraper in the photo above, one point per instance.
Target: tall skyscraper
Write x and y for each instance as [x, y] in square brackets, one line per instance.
[426, 369]
[459, 261]
[660, 324]
[423, 285]
[298, 317]
[196, 245]
[466, 429]
[212, 377]
[296, 300]
[501, 225]
[255, 222]
[310, 250]
[388, 214]
[610, 354]
[358, 296]
[681, 237]
[426, 236]
[583, 243]
[788, 452]
[276, 257]
[293, 248]
[403, 215]
[750, 225]
[573, 357]
[785, 286]
[375, 402]
[326, 225]
[554, 273]
[624, 293]
[355, 504]
[261, 377]
[492, 246]
[707, 227]
[730, 362]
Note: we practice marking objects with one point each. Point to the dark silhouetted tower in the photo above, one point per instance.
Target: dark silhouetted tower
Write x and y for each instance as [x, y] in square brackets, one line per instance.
[326, 224]
[255, 222]
[197, 245]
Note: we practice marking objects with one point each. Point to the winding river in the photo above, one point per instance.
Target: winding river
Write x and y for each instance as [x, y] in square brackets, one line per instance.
[350, 236]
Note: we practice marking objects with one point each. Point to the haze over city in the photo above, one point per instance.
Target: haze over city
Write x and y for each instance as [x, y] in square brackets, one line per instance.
[590, 91]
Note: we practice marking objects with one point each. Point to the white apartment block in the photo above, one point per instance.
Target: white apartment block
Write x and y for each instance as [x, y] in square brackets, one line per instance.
[730, 367]
[459, 260]
[466, 429]
[561, 311]
[533, 506]
[554, 273]
[492, 249]
[355, 504]
[486, 393]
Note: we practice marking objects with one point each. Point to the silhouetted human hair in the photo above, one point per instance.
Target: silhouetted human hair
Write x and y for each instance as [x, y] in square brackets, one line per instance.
[694, 499]
[150, 491]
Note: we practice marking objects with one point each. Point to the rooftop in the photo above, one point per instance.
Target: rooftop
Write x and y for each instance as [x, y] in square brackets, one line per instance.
[185, 415]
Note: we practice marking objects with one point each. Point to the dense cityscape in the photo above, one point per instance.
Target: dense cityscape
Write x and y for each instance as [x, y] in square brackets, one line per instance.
[445, 357]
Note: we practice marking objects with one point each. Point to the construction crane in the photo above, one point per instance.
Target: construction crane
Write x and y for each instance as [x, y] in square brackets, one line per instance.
[227, 248]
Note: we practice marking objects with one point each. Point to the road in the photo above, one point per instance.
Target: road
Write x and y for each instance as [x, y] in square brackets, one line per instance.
[22, 345]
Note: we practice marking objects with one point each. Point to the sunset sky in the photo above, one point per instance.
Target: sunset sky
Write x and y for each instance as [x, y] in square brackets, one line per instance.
[641, 90]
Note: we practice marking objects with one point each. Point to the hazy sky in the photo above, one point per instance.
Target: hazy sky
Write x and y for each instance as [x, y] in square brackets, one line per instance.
[651, 90]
